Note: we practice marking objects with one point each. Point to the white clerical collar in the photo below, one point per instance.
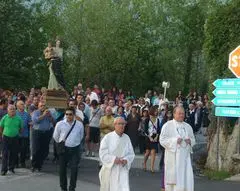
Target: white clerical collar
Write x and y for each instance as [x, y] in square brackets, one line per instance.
[118, 134]
[178, 122]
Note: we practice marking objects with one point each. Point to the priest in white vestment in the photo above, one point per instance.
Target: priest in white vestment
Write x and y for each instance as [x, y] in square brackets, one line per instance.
[178, 139]
[116, 154]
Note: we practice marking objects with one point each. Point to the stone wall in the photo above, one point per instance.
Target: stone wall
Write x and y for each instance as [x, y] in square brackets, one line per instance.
[228, 148]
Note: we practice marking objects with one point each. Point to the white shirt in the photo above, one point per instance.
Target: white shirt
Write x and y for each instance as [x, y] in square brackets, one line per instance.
[75, 137]
[127, 112]
[152, 130]
[95, 117]
[161, 102]
[147, 100]
[141, 107]
[114, 109]
[93, 96]
[80, 114]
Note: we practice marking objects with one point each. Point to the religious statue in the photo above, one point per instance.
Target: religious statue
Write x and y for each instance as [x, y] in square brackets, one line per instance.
[54, 56]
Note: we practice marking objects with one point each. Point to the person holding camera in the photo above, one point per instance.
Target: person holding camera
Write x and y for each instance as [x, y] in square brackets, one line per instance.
[42, 120]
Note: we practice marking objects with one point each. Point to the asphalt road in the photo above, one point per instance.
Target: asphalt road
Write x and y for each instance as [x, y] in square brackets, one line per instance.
[47, 180]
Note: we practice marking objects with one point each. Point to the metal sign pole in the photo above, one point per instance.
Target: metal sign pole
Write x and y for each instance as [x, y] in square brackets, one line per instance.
[218, 142]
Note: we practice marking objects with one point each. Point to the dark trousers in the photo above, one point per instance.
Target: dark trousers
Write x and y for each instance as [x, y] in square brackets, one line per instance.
[142, 144]
[1, 147]
[55, 154]
[161, 163]
[71, 156]
[49, 138]
[23, 150]
[40, 147]
[9, 153]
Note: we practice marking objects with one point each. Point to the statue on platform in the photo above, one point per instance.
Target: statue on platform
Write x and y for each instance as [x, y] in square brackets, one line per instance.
[54, 56]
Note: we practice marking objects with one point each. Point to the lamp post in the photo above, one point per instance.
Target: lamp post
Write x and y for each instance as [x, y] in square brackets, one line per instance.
[165, 85]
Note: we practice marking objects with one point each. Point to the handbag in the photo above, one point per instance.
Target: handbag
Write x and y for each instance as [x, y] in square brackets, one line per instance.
[154, 134]
[61, 149]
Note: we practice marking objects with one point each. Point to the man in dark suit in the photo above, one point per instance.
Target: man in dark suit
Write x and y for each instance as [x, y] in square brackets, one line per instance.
[191, 116]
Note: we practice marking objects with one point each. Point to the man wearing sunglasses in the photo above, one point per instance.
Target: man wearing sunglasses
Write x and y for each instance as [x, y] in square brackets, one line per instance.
[69, 131]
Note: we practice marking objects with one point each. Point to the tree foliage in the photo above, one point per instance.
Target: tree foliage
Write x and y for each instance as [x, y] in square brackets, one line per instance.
[132, 44]
[222, 29]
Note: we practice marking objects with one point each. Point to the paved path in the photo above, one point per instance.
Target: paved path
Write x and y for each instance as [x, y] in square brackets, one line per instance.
[26, 181]
[47, 180]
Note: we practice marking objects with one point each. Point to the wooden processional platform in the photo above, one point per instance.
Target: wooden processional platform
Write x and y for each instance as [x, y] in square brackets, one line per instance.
[56, 99]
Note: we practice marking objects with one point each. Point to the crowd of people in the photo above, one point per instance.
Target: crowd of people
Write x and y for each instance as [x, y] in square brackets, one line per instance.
[27, 125]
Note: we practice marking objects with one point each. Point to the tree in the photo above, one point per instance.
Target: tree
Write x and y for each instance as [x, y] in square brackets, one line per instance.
[222, 37]
[133, 44]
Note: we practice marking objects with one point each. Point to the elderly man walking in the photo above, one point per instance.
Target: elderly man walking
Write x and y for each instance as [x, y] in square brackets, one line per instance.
[10, 127]
[178, 139]
[116, 153]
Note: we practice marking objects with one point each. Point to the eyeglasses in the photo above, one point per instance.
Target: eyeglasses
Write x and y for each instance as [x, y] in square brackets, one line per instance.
[69, 114]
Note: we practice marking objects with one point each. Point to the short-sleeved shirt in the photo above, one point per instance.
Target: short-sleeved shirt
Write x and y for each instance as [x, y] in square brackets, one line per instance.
[26, 118]
[95, 117]
[11, 125]
[43, 125]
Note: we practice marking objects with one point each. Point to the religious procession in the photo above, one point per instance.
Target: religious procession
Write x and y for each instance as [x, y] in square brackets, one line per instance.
[118, 95]
[108, 124]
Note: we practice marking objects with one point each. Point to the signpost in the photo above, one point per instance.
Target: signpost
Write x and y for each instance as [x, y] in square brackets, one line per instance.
[227, 111]
[227, 94]
[226, 101]
[227, 83]
[234, 62]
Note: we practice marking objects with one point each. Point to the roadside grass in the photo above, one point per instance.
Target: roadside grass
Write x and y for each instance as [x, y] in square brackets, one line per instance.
[216, 175]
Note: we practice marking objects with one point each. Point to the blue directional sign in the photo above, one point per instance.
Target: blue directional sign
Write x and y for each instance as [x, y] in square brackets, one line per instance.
[227, 83]
[226, 101]
[227, 92]
[227, 112]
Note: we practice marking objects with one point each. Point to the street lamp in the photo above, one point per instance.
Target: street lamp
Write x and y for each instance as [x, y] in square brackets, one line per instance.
[165, 85]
